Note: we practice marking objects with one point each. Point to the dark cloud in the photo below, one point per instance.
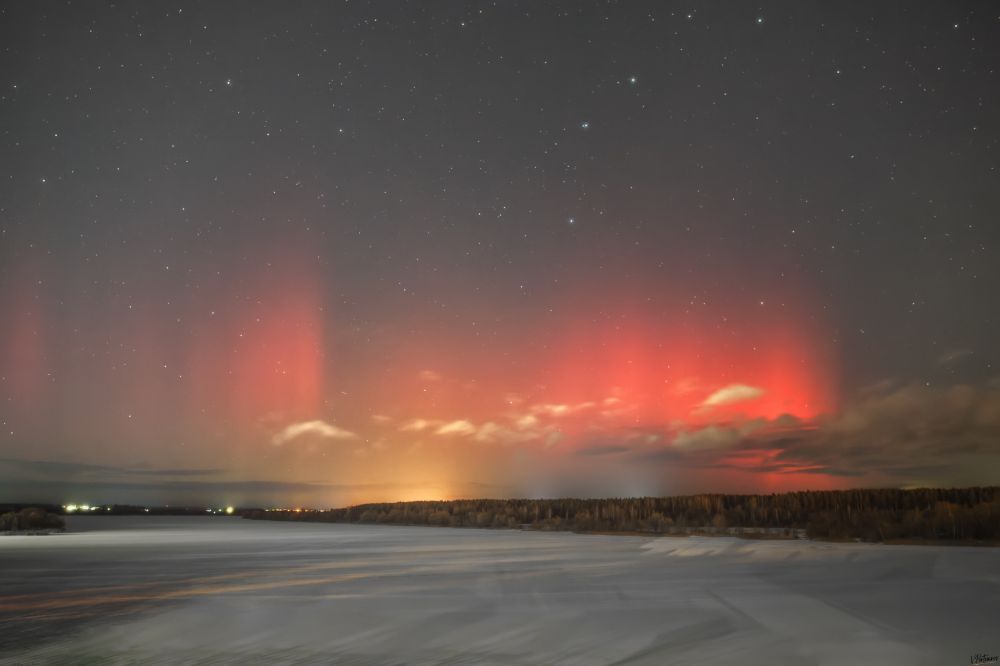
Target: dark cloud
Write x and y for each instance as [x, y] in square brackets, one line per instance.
[58, 469]
[889, 434]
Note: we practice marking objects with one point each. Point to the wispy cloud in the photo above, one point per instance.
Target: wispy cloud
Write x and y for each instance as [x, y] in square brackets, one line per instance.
[316, 428]
[711, 437]
[910, 434]
[728, 395]
[954, 356]
[460, 427]
[559, 409]
[418, 425]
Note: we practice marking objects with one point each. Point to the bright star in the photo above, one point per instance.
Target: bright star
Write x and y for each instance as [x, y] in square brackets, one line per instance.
[584, 125]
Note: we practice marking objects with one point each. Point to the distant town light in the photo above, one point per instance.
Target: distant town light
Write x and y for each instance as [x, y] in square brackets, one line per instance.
[70, 508]
[229, 510]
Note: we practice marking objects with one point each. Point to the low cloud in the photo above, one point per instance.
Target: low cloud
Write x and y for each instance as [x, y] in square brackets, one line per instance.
[712, 437]
[418, 425]
[460, 427]
[728, 395]
[496, 433]
[317, 428]
[899, 435]
[954, 356]
[559, 410]
[527, 421]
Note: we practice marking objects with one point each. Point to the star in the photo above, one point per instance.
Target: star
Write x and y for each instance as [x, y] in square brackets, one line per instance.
[584, 125]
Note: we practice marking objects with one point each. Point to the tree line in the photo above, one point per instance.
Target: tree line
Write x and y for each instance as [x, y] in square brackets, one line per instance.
[961, 514]
[32, 518]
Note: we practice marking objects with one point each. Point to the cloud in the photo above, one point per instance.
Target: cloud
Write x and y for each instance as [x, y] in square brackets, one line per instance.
[888, 434]
[430, 376]
[556, 410]
[616, 407]
[519, 429]
[559, 410]
[418, 425]
[728, 395]
[58, 469]
[315, 428]
[709, 438]
[551, 409]
[460, 427]
[954, 356]
[495, 433]
[527, 421]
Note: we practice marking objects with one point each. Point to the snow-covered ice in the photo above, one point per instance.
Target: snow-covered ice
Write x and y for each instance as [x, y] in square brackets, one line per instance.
[210, 590]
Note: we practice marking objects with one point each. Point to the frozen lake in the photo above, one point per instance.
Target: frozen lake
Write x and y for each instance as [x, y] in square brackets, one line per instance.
[220, 590]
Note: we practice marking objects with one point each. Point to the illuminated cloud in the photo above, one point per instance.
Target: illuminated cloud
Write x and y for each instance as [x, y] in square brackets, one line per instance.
[954, 356]
[900, 435]
[315, 428]
[495, 433]
[526, 421]
[518, 429]
[557, 410]
[460, 427]
[418, 425]
[615, 407]
[488, 432]
[730, 394]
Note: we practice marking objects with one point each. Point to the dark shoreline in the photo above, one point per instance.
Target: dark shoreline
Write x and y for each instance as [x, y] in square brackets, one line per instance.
[926, 515]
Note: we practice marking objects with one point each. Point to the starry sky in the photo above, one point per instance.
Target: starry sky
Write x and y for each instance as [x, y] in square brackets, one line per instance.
[325, 253]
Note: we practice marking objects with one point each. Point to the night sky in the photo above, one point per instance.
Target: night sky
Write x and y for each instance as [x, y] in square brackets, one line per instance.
[325, 253]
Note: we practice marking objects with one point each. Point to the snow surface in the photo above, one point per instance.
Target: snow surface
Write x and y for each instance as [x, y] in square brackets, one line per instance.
[214, 590]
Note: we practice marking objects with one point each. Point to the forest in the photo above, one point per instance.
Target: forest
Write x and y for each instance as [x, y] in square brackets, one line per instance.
[878, 515]
[32, 519]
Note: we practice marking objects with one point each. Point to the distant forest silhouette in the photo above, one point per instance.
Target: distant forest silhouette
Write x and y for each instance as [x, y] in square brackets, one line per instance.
[960, 514]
